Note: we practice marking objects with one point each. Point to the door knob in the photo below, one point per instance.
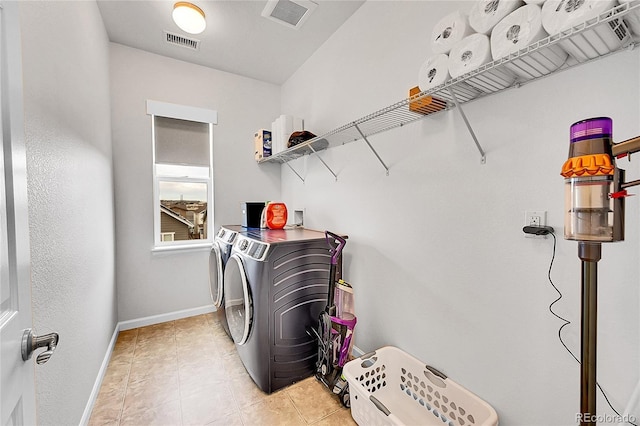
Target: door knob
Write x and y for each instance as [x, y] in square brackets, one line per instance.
[31, 342]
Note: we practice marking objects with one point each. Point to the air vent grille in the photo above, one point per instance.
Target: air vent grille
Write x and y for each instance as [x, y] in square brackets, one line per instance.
[289, 13]
[178, 40]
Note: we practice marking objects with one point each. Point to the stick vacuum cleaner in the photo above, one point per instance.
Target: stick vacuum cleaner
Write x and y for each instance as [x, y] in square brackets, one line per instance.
[333, 333]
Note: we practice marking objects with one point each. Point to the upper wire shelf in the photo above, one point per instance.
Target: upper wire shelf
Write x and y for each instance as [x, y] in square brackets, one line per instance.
[584, 42]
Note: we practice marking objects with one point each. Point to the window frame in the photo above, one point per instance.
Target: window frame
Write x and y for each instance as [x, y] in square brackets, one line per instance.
[187, 113]
[163, 236]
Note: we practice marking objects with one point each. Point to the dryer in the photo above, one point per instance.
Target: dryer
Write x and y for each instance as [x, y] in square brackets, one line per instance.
[220, 253]
[275, 285]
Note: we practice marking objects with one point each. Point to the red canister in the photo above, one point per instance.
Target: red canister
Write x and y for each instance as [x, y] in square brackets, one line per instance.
[276, 215]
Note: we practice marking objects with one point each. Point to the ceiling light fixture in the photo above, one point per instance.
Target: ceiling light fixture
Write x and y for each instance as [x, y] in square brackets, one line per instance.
[189, 17]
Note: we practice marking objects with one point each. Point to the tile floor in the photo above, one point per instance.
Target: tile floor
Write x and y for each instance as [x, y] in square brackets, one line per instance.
[187, 372]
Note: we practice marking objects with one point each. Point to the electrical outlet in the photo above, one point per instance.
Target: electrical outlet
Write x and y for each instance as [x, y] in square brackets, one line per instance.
[535, 218]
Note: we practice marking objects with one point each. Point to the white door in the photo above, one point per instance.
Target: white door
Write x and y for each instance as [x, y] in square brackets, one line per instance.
[17, 381]
[237, 300]
[215, 275]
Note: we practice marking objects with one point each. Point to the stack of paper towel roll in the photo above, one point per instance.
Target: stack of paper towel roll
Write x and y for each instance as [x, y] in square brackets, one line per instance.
[560, 15]
[470, 54]
[474, 50]
[520, 29]
[463, 39]
[494, 29]
[446, 33]
[449, 31]
[485, 14]
[633, 19]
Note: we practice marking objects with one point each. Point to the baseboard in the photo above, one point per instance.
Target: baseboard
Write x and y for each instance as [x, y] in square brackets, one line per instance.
[96, 386]
[171, 316]
[128, 325]
[356, 351]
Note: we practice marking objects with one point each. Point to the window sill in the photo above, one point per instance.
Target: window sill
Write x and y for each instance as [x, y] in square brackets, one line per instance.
[182, 248]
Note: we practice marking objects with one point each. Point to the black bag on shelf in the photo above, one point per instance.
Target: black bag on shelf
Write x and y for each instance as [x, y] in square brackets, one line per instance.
[299, 137]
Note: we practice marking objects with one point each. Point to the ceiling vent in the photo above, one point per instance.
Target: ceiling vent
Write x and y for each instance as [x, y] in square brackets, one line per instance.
[292, 13]
[178, 40]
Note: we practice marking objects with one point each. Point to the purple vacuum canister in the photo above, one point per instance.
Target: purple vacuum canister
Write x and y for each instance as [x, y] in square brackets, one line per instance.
[592, 214]
[591, 136]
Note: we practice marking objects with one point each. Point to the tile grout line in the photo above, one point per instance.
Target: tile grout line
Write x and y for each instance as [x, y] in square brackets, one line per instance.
[126, 384]
[286, 391]
[323, 389]
[235, 400]
[175, 348]
[233, 394]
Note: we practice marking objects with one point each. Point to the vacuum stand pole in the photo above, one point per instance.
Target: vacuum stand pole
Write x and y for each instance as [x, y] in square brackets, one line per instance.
[331, 304]
[590, 254]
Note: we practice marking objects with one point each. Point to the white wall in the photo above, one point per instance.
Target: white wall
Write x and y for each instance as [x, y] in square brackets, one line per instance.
[152, 284]
[70, 188]
[436, 253]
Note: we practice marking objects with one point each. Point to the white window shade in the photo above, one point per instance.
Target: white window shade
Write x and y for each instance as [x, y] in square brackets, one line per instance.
[181, 142]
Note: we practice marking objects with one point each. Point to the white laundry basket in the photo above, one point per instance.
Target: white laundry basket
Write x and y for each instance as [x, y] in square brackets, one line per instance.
[391, 387]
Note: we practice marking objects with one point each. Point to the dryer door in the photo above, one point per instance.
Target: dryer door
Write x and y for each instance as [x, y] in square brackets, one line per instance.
[215, 275]
[237, 299]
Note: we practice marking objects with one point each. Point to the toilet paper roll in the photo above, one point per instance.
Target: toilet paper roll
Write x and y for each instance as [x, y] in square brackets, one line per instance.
[633, 19]
[560, 15]
[518, 30]
[285, 130]
[275, 137]
[450, 30]
[434, 72]
[485, 14]
[469, 54]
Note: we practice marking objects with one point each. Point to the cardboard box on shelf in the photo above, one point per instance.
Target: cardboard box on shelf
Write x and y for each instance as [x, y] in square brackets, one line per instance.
[262, 143]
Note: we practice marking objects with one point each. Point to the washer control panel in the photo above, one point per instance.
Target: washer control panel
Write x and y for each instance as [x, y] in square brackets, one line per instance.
[254, 249]
[226, 235]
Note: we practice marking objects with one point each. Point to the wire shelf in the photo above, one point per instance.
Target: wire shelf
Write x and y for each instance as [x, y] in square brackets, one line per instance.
[584, 42]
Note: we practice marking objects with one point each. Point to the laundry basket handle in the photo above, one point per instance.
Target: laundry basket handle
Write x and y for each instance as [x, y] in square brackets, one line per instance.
[436, 372]
[379, 405]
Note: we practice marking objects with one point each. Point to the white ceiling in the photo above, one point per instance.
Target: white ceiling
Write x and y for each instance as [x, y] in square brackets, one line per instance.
[237, 38]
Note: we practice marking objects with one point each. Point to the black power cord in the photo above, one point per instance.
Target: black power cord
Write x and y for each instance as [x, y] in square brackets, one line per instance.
[566, 322]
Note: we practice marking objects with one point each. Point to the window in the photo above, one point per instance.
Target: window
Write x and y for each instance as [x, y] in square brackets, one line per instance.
[167, 236]
[182, 174]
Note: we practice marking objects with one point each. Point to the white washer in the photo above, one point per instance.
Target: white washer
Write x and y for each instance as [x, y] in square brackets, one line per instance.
[220, 253]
